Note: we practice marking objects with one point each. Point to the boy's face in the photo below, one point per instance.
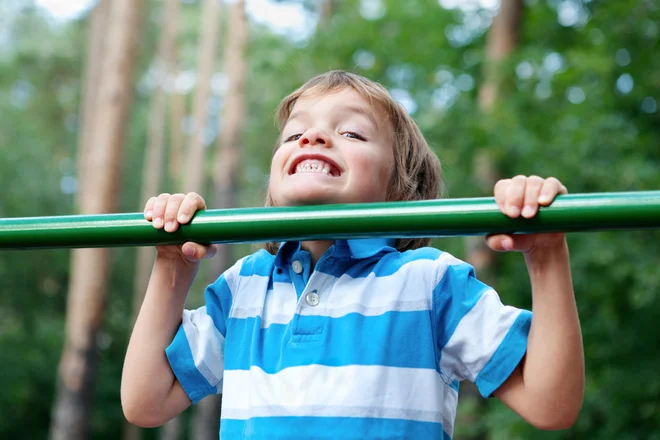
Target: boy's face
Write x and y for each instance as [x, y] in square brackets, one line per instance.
[335, 148]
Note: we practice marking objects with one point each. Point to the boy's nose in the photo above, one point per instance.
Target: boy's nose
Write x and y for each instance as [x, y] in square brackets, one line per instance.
[314, 136]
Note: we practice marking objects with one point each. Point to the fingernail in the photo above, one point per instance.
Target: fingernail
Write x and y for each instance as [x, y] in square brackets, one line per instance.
[544, 198]
[158, 222]
[528, 211]
[182, 218]
[188, 250]
[148, 213]
[169, 226]
[514, 211]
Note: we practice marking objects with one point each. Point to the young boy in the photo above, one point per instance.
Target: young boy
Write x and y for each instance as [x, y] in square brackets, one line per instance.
[354, 339]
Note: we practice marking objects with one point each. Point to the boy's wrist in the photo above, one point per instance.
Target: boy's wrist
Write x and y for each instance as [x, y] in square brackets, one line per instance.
[541, 257]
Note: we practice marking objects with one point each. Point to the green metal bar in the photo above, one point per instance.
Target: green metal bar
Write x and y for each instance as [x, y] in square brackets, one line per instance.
[429, 218]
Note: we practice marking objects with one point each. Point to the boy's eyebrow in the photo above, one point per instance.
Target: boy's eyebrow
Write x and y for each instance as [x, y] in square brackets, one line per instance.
[362, 111]
[349, 109]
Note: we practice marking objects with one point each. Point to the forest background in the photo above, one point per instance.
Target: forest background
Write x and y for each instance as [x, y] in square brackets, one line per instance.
[568, 88]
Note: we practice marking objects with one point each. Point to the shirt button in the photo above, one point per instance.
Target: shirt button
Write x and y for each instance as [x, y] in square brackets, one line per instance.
[312, 298]
[297, 266]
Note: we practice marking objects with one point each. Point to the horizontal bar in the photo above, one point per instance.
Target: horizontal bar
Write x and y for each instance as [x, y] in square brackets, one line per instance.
[428, 218]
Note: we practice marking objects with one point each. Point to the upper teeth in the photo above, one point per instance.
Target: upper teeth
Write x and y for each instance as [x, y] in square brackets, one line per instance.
[313, 166]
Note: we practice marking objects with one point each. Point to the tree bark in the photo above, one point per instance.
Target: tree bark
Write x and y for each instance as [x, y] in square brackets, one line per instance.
[206, 421]
[500, 43]
[89, 267]
[193, 177]
[178, 138]
[206, 57]
[326, 12]
[95, 48]
[153, 161]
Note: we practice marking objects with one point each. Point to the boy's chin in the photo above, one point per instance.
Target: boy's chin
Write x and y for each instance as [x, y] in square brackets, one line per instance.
[312, 198]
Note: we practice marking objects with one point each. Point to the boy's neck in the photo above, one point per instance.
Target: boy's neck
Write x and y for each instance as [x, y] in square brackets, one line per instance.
[316, 248]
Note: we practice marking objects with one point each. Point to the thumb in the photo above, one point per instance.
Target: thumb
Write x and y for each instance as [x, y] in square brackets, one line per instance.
[195, 251]
[500, 242]
[507, 242]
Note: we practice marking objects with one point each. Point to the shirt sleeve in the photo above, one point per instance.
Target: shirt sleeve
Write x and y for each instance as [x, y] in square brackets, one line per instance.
[196, 354]
[477, 337]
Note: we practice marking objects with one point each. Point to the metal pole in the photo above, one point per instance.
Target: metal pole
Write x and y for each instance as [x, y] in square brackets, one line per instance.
[429, 218]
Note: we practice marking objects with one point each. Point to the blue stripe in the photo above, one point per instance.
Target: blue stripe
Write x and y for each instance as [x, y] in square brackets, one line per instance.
[260, 263]
[453, 298]
[394, 339]
[329, 428]
[507, 356]
[183, 366]
[379, 265]
[218, 303]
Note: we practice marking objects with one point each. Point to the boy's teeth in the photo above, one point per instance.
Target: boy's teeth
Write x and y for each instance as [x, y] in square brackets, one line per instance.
[313, 166]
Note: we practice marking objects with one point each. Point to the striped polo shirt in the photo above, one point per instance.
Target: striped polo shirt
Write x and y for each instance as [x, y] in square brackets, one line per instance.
[369, 344]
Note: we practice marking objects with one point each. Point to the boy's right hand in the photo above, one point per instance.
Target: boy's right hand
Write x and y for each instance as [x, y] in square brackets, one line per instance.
[168, 211]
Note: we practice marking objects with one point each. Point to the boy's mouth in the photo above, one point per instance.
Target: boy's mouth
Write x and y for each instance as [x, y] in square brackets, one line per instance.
[316, 165]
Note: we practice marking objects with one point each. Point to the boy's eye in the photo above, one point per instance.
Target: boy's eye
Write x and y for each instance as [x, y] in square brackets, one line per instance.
[353, 135]
[293, 137]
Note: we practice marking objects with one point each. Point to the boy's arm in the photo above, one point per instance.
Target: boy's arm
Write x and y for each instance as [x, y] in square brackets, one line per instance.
[546, 389]
[150, 393]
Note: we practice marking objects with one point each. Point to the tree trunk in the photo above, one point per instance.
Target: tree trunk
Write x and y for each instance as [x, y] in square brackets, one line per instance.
[501, 41]
[177, 138]
[206, 422]
[193, 179]
[153, 160]
[206, 56]
[326, 11]
[95, 48]
[89, 267]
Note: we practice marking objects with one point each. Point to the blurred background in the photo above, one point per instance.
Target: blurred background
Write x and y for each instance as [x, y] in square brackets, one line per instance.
[104, 103]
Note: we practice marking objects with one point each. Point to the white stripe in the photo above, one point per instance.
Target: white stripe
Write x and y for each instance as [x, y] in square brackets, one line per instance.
[408, 289]
[349, 391]
[231, 276]
[248, 302]
[206, 344]
[280, 305]
[449, 405]
[477, 337]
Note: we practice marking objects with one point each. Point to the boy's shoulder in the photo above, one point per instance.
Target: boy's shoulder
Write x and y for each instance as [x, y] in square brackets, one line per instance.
[258, 263]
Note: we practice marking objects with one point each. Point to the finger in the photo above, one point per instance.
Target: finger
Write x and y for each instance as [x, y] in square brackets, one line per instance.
[149, 208]
[171, 211]
[532, 191]
[500, 193]
[196, 251]
[515, 194]
[192, 203]
[505, 242]
[500, 242]
[159, 210]
[551, 187]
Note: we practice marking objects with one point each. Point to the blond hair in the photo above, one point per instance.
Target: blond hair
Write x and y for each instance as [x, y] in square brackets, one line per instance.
[417, 173]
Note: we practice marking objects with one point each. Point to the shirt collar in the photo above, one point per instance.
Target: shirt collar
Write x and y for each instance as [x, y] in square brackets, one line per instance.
[358, 248]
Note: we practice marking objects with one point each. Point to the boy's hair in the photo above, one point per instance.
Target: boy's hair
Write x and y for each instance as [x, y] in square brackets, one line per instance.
[417, 172]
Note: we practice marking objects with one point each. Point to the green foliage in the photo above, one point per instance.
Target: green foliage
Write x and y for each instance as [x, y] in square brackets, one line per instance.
[566, 109]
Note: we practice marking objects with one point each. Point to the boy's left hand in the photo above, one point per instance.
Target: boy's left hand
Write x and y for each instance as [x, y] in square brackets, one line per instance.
[522, 196]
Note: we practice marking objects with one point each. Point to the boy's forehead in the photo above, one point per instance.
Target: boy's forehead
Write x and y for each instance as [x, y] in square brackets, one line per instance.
[345, 98]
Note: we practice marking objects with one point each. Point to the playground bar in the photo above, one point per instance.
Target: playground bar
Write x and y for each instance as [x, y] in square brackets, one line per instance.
[429, 218]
